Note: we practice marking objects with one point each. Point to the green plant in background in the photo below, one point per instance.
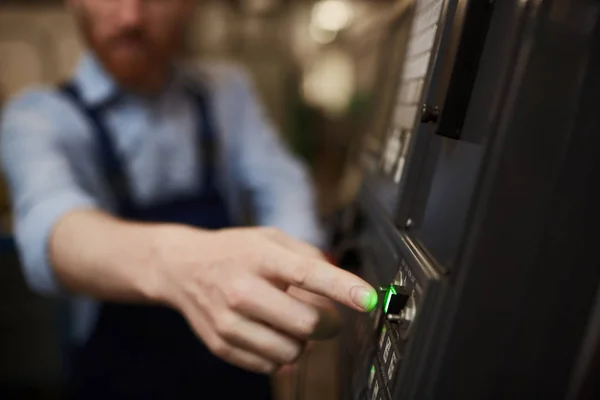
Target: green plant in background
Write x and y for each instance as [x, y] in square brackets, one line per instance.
[302, 129]
[306, 123]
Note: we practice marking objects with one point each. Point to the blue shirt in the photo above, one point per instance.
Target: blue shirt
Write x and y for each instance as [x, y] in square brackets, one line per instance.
[49, 158]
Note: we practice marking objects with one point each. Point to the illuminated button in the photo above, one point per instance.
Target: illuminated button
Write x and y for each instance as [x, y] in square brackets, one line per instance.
[372, 376]
[395, 299]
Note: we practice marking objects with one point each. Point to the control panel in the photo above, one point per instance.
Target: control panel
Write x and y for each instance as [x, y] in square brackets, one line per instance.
[380, 342]
[479, 189]
[409, 283]
[392, 321]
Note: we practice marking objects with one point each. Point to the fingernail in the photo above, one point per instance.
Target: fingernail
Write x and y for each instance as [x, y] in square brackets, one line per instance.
[364, 298]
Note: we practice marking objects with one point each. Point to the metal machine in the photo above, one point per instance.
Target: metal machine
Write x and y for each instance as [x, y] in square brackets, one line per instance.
[477, 216]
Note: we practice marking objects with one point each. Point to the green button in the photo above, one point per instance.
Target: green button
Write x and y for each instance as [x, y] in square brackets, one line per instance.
[389, 292]
[395, 299]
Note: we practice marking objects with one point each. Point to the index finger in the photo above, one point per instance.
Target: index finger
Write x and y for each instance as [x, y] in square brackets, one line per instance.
[322, 278]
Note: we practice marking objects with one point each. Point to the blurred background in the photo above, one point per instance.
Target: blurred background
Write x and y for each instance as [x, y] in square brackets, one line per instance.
[315, 65]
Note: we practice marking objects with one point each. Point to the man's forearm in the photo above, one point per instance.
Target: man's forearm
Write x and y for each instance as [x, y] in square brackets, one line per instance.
[98, 255]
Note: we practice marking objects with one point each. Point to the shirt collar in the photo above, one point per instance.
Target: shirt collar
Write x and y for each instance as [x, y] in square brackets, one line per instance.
[97, 87]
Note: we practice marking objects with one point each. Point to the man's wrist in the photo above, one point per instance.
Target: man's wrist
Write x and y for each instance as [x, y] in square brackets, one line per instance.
[151, 278]
[169, 247]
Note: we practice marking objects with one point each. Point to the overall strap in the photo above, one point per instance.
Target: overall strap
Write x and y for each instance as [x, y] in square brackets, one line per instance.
[208, 135]
[112, 167]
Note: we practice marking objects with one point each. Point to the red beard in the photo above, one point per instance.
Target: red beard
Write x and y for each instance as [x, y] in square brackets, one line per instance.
[131, 57]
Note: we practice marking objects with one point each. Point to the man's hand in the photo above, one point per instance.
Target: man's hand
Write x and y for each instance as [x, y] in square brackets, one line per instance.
[254, 295]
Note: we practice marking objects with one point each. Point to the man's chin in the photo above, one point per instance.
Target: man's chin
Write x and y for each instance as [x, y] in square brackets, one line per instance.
[131, 73]
[138, 71]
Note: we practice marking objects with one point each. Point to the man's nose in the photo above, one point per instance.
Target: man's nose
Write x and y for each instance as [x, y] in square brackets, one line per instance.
[131, 12]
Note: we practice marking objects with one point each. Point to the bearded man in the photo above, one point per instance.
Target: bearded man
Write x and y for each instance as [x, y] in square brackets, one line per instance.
[126, 185]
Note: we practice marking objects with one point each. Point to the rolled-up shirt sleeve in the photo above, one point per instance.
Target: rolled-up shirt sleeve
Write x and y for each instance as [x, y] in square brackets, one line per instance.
[281, 187]
[44, 174]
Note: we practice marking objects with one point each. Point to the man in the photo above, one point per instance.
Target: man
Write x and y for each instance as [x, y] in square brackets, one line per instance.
[126, 183]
